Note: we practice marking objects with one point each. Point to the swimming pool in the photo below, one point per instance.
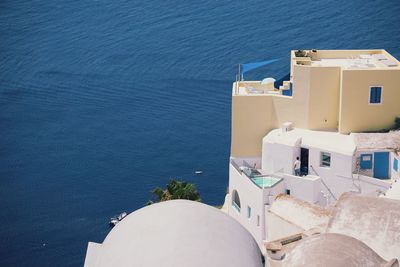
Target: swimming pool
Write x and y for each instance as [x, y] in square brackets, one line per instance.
[266, 181]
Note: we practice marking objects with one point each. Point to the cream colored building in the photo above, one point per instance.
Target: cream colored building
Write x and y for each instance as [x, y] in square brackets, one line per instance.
[339, 90]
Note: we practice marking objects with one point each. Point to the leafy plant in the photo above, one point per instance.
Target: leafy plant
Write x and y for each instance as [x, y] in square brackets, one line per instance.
[397, 123]
[300, 53]
[175, 189]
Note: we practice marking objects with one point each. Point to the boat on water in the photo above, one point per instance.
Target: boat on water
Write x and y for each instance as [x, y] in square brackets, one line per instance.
[198, 172]
[116, 219]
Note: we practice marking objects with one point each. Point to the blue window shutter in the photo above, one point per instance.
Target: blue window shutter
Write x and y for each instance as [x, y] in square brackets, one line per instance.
[378, 94]
[372, 95]
[366, 161]
[396, 165]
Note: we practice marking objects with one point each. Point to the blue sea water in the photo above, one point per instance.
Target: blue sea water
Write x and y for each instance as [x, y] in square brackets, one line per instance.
[101, 101]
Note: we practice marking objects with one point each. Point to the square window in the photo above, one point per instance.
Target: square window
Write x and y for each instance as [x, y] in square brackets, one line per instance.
[366, 158]
[248, 212]
[366, 161]
[325, 159]
[375, 95]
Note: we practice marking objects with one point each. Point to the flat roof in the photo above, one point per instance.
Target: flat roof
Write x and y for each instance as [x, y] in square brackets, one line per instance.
[348, 59]
[365, 141]
[324, 140]
[300, 213]
[361, 62]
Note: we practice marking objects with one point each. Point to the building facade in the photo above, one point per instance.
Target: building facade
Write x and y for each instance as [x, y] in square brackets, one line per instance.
[342, 90]
[318, 117]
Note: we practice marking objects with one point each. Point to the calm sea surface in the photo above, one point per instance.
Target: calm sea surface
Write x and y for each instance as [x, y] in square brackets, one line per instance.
[101, 101]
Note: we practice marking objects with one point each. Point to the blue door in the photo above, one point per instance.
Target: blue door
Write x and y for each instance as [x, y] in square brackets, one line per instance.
[381, 165]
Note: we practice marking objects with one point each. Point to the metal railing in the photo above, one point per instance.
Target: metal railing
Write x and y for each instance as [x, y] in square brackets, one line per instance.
[236, 166]
[252, 173]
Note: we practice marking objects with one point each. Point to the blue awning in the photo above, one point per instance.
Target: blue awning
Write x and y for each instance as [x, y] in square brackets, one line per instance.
[250, 66]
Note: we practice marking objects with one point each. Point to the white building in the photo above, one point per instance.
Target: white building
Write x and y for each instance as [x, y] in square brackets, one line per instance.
[331, 164]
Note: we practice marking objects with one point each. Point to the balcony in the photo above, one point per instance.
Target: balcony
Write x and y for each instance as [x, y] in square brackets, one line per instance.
[261, 88]
[250, 169]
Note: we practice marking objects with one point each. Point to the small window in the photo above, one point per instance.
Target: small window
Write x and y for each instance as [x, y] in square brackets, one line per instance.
[248, 212]
[325, 159]
[236, 200]
[258, 220]
[366, 161]
[395, 165]
[375, 95]
[366, 157]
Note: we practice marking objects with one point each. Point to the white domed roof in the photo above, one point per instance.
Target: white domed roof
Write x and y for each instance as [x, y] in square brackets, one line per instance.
[332, 250]
[176, 233]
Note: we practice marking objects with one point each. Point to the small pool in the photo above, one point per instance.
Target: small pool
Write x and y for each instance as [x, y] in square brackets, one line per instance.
[266, 181]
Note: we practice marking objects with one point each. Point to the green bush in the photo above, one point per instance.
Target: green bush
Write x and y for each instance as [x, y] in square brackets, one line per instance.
[300, 53]
[175, 190]
[397, 123]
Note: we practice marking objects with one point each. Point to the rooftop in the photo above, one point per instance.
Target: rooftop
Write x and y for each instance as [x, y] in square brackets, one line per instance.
[346, 59]
[390, 140]
[358, 231]
[331, 141]
[374, 221]
[333, 250]
[176, 233]
[300, 213]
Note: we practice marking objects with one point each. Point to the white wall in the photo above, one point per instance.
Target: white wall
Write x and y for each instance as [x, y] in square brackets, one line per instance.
[269, 194]
[372, 185]
[278, 228]
[394, 174]
[341, 165]
[277, 157]
[339, 176]
[307, 188]
[250, 195]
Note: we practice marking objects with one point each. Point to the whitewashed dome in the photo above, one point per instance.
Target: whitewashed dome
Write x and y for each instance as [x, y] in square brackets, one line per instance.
[334, 250]
[176, 233]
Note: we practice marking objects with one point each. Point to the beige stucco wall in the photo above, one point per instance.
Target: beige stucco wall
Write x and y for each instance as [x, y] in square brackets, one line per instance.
[356, 114]
[253, 116]
[324, 98]
[252, 119]
[295, 108]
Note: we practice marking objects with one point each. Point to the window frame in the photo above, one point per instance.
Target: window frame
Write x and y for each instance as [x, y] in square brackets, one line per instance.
[321, 161]
[236, 206]
[248, 212]
[370, 92]
[366, 164]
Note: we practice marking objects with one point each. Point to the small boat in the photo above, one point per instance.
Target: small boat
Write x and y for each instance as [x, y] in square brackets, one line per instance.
[198, 172]
[116, 219]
